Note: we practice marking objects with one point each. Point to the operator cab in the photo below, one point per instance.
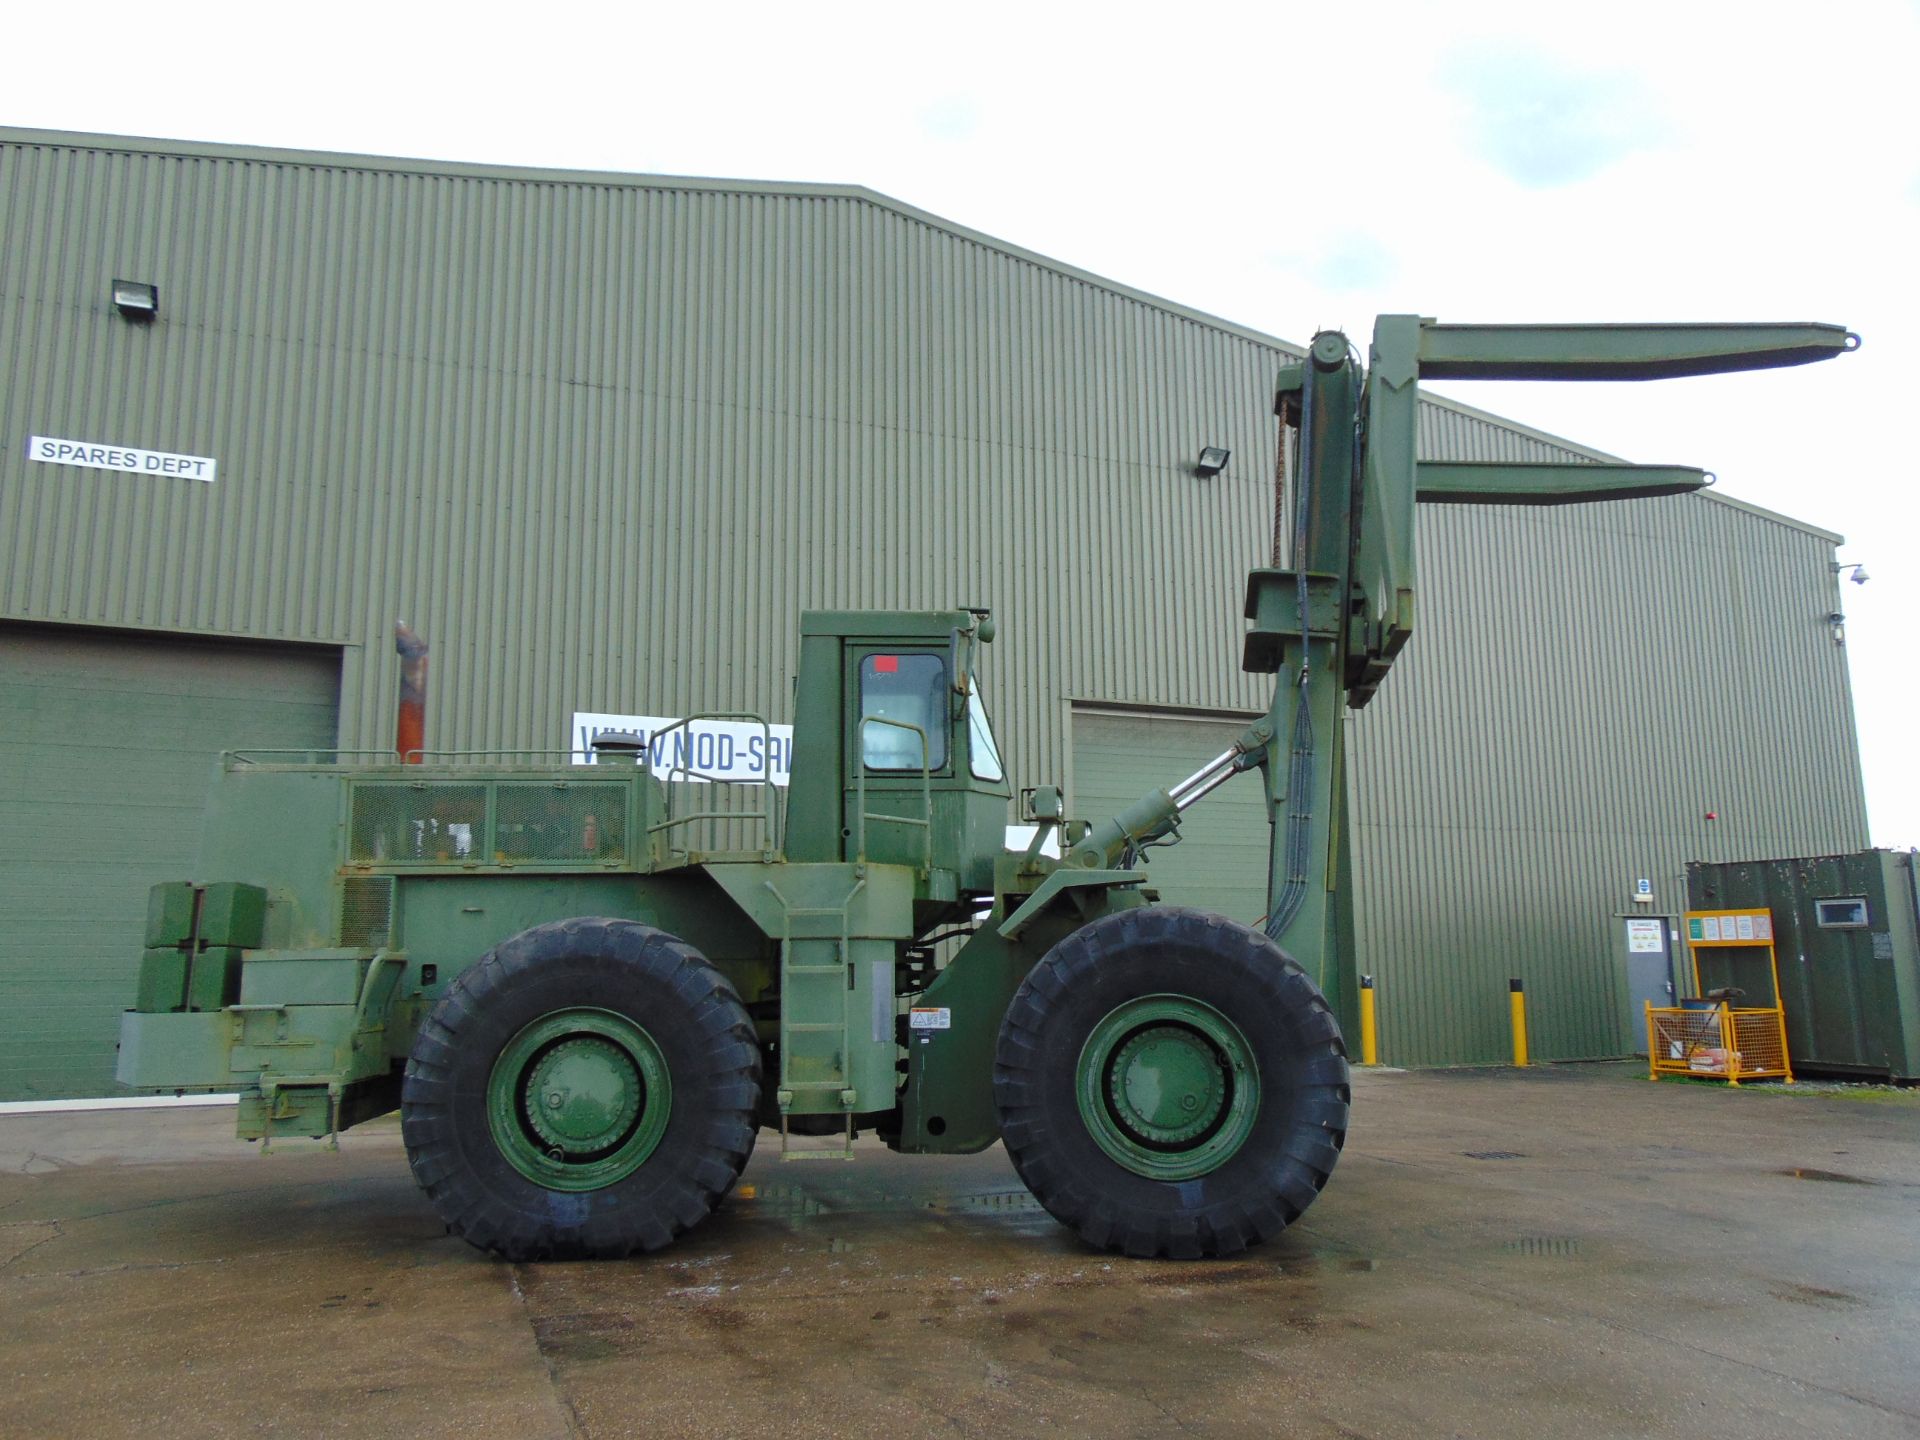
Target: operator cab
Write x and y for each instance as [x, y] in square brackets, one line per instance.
[895, 760]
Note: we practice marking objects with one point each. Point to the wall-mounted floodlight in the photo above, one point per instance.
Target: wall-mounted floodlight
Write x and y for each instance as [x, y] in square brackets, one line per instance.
[1859, 576]
[1212, 461]
[1839, 624]
[136, 300]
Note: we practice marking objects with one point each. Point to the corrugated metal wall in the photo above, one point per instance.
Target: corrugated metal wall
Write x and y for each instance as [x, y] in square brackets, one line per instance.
[600, 441]
[1587, 684]
[599, 438]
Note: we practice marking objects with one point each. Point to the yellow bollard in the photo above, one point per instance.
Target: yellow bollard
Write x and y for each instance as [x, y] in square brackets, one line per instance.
[1369, 1031]
[1517, 999]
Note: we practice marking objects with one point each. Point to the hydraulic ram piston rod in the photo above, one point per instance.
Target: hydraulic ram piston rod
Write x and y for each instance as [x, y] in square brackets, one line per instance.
[1153, 816]
[1204, 781]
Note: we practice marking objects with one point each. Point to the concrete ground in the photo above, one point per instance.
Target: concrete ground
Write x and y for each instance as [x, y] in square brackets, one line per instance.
[1565, 1251]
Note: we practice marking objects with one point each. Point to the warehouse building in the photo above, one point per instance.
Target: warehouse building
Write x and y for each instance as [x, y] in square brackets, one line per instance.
[601, 437]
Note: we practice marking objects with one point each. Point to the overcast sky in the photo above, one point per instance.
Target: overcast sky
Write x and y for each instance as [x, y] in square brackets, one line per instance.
[1284, 166]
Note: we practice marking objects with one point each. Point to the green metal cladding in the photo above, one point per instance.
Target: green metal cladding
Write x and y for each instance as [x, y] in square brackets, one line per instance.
[601, 438]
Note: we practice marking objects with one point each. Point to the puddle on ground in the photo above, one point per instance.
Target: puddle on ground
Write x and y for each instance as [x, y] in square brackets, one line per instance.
[999, 1201]
[1553, 1247]
[585, 1336]
[1817, 1297]
[782, 1202]
[1215, 1272]
[795, 1202]
[1831, 1177]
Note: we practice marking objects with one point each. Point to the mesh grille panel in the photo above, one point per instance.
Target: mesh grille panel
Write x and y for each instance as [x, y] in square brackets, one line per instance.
[1756, 1039]
[1719, 1043]
[366, 910]
[424, 824]
[1681, 1034]
[560, 822]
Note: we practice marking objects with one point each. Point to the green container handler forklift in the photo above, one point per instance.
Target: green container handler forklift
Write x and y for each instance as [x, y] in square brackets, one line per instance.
[588, 989]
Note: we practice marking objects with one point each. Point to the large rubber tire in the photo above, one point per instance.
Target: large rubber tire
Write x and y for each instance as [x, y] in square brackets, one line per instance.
[1146, 988]
[646, 1016]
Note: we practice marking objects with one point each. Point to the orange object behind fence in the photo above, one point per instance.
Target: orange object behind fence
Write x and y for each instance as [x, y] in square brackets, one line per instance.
[1720, 1041]
[1718, 1044]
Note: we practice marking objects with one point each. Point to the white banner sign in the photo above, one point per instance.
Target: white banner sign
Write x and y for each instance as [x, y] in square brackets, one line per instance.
[725, 750]
[51, 450]
[707, 749]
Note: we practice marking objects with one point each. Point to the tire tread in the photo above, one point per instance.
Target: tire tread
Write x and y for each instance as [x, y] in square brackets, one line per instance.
[659, 1205]
[1073, 1192]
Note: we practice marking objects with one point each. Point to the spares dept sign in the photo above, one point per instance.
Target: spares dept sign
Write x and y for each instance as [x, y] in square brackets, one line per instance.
[51, 450]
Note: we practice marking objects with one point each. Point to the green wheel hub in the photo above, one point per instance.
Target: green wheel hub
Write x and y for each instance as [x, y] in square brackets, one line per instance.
[579, 1099]
[1167, 1087]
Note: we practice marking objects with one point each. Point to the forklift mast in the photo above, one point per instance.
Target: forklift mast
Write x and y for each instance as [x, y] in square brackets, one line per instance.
[1328, 618]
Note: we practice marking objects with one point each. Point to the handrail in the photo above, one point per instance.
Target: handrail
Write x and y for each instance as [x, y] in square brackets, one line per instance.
[768, 814]
[310, 756]
[862, 814]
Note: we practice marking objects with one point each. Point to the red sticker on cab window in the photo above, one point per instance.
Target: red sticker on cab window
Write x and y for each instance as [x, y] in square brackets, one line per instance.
[886, 664]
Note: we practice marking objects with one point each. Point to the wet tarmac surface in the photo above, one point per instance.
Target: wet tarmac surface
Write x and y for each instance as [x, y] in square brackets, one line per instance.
[1565, 1252]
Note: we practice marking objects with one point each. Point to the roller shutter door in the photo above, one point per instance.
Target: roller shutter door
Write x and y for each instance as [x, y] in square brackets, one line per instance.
[1220, 863]
[107, 746]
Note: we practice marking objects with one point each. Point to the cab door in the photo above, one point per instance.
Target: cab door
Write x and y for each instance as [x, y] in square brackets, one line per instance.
[901, 752]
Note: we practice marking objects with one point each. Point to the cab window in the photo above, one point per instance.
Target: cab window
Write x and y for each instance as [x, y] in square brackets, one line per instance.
[905, 690]
[982, 754]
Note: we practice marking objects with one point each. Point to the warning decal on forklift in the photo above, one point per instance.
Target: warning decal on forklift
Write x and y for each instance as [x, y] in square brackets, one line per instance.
[929, 1018]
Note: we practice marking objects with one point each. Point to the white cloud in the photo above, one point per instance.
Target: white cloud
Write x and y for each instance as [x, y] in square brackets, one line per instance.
[952, 117]
[1345, 263]
[1544, 120]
